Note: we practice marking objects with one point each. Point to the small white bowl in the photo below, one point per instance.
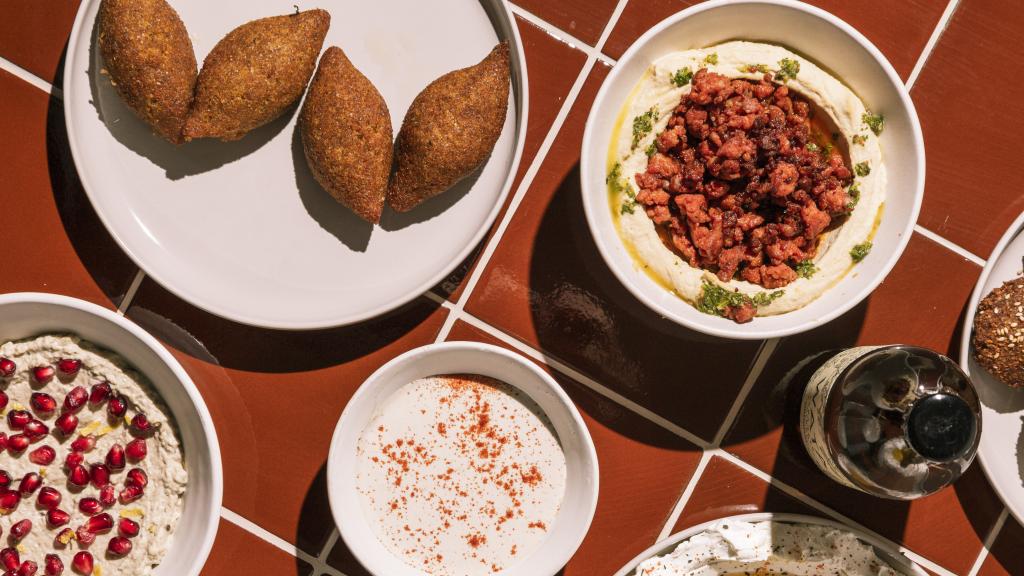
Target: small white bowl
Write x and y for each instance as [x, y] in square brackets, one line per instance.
[581, 489]
[26, 315]
[823, 38]
[885, 550]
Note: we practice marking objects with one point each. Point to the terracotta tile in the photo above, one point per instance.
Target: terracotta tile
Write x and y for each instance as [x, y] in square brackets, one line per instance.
[236, 551]
[960, 124]
[584, 19]
[33, 34]
[725, 489]
[635, 457]
[899, 29]
[552, 69]
[547, 285]
[910, 307]
[52, 238]
[275, 398]
[1006, 556]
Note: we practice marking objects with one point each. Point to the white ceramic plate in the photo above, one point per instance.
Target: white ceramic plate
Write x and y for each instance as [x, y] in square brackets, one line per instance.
[26, 315]
[823, 38]
[581, 488]
[241, 229]
[884, 550]
[1001, 451]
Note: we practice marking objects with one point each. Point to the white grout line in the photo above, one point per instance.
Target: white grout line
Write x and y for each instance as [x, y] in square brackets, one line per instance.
[764, 353]
[29, 77]
[559, 34]
[989, 541]
[673, 517]
[129, 294]
[276, 541]
[949, 245]
[947, 14]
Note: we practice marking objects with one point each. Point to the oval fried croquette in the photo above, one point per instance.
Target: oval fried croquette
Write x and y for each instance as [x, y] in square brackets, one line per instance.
[346, 135]
[255, 73]
[450, 129]
[149, 57]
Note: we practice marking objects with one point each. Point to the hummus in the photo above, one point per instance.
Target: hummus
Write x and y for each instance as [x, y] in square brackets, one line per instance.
[652, 103]
[733, 547]
[157, 511]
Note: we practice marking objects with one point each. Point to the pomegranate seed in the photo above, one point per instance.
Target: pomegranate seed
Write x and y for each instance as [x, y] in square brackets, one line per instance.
[43, 403]
[29, 484]
[136, 449]
[49, 498]
[73, 460]
[99, 523]
[69, 366]
[131, 493]
[36, 430]
[18, 418]
[83, 444]
[128, 527]
[43, 374]
[57, 517]
[21, 529]
[115, 457]
[141, 425]
[78, 476]
[90, 506]
[66, 423]
[108, 496]
[100, 393]
[27, 568]
[3, 441]
[9, 500]
[100, 475]
[83, 536]
[5, 479]
[75, 399]
[4, 400]
[10, 558]
[53, 566]
[119, 546]
[44, 456]
[117, 406]
[7, 367]
[137, 477]
[82, 563]
[63, 538]
[17, 443]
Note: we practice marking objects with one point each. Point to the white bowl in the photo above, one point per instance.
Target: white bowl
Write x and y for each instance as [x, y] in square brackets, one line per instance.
[29, 314]
[581, 489]
[824, 39]
[885, 550]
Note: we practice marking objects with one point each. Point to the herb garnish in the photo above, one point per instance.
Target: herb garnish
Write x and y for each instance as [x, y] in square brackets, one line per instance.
[711, 59]
[788, 69]
[862, 169]
[806, 269]
[859, 139]
[613, 178]
[854, 193]
[876, 122]
[860, 251]
[751, 68]
[766, 298]
[714, 299]
[812, 147]
[650, 150]
[617, 186]
[628, 205]
[682, 77]
[642, 126]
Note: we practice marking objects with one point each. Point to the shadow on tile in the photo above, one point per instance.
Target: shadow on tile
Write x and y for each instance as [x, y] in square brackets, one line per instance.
[315, 514]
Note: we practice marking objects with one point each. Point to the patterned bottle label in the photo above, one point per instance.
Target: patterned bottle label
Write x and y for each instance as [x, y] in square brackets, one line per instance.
[812, 412]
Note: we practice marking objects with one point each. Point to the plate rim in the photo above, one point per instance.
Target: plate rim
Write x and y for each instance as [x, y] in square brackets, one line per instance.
[863, 535]
[966, 333]
[521, 92]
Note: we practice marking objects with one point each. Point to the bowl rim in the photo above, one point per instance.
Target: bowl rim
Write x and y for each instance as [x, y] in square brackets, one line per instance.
[745, 332]
[888, 548]
[202, 551]
[347, 527]
[522, 98]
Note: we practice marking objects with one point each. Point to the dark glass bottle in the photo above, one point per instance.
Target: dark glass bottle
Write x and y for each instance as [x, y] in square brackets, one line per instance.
[894, 421]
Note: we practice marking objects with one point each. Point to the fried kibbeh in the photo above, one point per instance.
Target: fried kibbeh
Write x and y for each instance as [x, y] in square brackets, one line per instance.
[346, 135]
[255, 73]
[149, 58]
[450, 129]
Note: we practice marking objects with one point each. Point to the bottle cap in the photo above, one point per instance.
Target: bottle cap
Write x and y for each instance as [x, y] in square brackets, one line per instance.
[941, 427]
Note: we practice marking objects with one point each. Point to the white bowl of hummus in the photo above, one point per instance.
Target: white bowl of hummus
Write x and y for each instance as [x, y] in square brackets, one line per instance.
[111, 463]
[752, 169]
[767, 543]
[462, 459]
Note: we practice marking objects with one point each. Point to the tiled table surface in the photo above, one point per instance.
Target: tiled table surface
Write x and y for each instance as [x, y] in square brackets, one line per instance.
[687, 428]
